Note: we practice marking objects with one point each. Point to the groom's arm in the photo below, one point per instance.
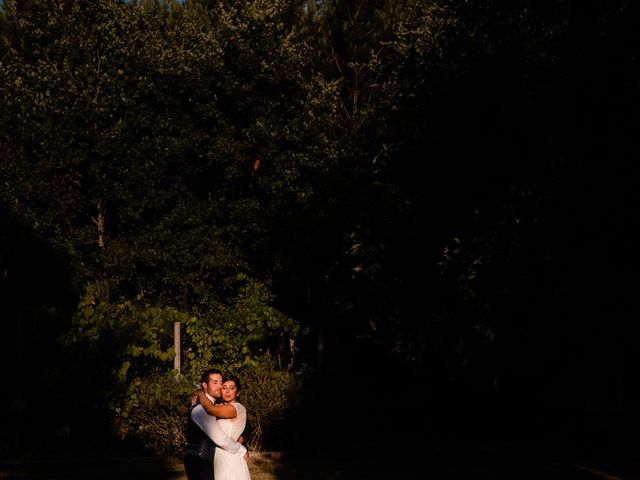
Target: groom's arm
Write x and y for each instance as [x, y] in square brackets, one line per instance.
[210, 426]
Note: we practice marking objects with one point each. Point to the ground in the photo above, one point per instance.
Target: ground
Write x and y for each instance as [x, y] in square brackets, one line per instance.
[316, 466]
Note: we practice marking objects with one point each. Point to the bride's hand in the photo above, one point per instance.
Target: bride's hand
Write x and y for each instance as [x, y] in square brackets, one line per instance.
[198, 391]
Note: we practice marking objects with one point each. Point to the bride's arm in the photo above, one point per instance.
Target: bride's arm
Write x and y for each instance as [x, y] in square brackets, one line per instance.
[220, 411]
[209, 425]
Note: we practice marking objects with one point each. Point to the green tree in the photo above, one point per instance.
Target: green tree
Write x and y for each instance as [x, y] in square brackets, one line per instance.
[158, 146]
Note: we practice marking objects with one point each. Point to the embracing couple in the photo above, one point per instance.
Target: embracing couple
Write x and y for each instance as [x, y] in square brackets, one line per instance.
[216, 422]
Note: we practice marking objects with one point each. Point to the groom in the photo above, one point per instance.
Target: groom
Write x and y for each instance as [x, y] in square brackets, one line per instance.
[203, 430]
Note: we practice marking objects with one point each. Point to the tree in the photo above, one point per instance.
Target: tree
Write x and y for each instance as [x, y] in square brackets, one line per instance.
[157, 145]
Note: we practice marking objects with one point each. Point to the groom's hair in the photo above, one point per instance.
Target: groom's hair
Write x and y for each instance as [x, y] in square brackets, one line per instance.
[207, 373]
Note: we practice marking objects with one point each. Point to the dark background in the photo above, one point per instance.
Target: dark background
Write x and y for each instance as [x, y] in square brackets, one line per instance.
[526, 153]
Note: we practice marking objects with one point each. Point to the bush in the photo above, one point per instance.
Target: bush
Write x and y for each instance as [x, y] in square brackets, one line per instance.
[268, 394]
[155, 413]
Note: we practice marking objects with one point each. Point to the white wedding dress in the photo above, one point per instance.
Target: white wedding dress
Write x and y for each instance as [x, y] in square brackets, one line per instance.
[227, 466]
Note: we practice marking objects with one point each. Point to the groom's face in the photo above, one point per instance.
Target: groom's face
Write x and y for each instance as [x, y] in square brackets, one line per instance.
[214, 385]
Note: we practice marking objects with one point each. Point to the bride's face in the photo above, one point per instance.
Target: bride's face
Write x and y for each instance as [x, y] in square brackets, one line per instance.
[229, 391]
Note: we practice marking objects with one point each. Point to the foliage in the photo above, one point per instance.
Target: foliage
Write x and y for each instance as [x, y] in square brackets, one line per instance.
[247, 326]
[154, 413]
[270, 395]
[388, 59]
[133, 345]
[127, 341]
[154, 144]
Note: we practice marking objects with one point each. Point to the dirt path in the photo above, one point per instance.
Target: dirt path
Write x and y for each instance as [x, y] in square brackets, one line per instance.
[277, 466]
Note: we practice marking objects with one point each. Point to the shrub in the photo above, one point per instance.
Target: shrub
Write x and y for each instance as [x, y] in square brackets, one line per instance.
[268, 394]
[154, 413]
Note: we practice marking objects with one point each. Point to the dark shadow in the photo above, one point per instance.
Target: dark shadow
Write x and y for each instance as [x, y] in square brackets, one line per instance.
[94, 468]
[36, 301]
[416, 462]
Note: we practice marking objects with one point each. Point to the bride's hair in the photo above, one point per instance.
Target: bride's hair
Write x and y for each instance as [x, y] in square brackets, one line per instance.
[232, 378]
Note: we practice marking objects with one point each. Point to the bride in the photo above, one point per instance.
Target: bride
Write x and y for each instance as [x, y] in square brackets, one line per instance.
[232, 417]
